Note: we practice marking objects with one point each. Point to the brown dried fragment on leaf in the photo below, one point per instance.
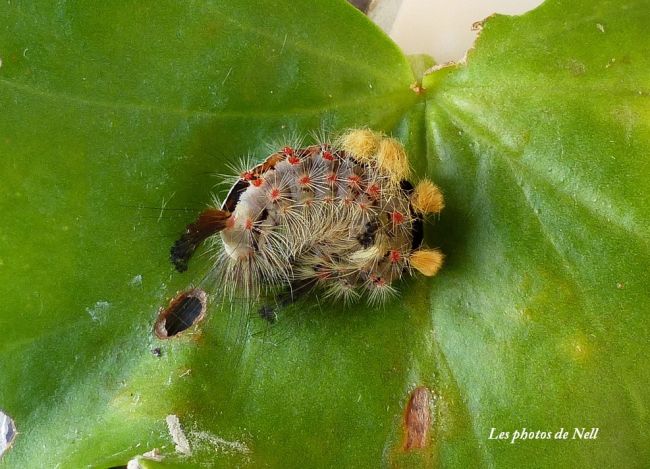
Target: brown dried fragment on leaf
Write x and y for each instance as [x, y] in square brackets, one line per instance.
[417, 419]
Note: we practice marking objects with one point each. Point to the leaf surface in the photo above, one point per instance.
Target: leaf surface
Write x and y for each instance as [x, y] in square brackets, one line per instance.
[116, 119]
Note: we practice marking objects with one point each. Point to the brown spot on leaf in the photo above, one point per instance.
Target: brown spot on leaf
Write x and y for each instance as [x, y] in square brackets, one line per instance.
[417, 419]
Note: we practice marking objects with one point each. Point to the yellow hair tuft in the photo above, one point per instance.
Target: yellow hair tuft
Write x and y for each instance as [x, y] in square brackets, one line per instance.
[362, 144]
[392, 158]
[427, 198]
[427, 261]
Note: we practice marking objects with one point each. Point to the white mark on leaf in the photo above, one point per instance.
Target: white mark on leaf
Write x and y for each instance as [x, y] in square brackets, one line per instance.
[178, 435]
[98, 312]
[153, 455]
[227, 75]
[284, 43]
[163, 206]
[218, 443]
[7, 432]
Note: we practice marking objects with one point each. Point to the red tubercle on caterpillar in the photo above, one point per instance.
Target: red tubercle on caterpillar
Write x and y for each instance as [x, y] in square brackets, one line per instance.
[248, 224]
[354, 181]
[327, 155]
[290, 153]
[304, 180]
[247, 176]
[275, 194]
[331, 178]
[394, 256]
[348, 201]
[374, 191]
[397, 218]
[257, 182]
[363, 204]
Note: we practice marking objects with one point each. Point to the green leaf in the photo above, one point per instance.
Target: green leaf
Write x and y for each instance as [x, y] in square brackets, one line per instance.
[538, 320]
[541, 315]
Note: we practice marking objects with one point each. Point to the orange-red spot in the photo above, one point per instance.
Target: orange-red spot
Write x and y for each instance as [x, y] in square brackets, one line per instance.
[249, 224]
[394, 256]
[288, 151]
[397, 217]
[327, 155]
[257, 182]
[331, 178]
[247, 176]
[293, 160]
[275, 193]
[354, 180]
[374, 191]
[304, 180]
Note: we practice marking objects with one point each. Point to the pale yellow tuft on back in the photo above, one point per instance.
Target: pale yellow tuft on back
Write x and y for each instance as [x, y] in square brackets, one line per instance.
[392, 159]
[427, 198]
[427, 261]
[362, 144]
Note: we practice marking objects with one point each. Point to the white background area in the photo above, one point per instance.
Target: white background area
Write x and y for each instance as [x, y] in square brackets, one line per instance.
[440, 28]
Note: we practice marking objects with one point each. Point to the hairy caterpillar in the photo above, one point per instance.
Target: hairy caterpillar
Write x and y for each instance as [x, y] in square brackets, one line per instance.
[337, 218]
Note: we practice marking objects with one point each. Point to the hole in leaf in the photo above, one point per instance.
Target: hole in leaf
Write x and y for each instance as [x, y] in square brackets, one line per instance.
[7, 432]
[185, 310]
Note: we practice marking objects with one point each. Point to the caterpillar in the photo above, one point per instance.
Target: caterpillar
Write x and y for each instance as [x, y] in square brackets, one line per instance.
[340, 219]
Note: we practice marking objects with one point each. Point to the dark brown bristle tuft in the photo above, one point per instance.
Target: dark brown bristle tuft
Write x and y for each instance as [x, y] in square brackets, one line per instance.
[210, 222]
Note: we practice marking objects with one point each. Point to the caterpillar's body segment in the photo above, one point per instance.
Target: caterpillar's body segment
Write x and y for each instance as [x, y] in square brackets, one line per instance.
[339, 218]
